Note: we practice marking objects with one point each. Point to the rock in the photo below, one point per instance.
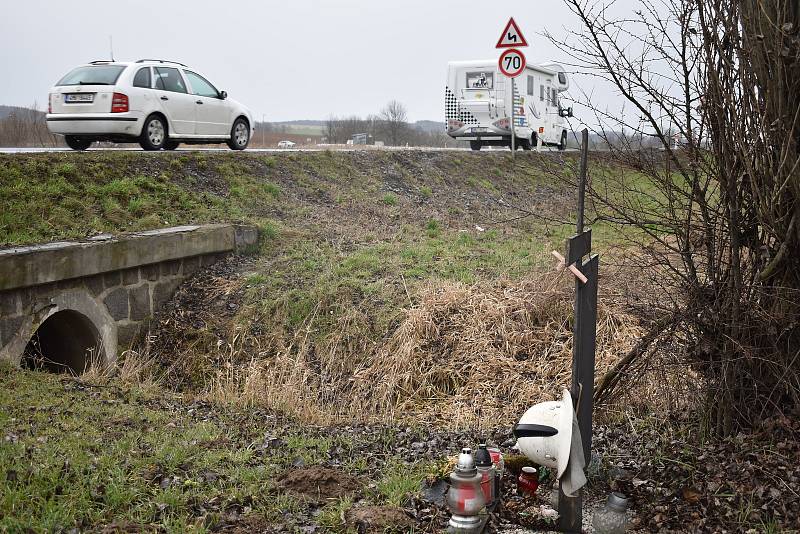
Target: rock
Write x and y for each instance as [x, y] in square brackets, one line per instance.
[618, 473]
[434, 493]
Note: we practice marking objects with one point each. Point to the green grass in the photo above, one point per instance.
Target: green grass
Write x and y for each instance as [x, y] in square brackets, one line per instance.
[74, 455]
[401, 480]
[54, 196]
[389, 199]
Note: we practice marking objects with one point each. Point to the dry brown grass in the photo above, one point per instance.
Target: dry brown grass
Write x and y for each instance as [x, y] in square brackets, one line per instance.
[481, 355]
[464, 355]
[133, 368]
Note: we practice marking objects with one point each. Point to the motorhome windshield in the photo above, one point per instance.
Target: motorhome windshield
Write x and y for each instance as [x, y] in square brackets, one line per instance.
[480, 80]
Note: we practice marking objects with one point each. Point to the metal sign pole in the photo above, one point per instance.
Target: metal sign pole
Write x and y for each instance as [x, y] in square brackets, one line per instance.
[513, 110]
[584, 341]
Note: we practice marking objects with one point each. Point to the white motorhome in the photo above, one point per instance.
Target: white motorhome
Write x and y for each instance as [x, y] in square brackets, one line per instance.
[478, 105]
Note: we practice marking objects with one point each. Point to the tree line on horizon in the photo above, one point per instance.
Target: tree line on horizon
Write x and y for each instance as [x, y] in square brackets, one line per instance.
[27, 127]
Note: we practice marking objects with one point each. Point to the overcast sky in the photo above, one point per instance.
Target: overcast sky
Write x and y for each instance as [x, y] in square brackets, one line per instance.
[290, 59]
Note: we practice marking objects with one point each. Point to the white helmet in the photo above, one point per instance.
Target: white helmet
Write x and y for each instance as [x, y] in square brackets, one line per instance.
[544, 433]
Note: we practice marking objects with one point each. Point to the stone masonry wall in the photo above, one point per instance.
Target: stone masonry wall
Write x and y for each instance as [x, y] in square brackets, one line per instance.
[131, 296]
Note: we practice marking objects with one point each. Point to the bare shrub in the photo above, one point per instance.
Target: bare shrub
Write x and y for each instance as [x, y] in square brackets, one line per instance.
[26, 127]
[716, 87]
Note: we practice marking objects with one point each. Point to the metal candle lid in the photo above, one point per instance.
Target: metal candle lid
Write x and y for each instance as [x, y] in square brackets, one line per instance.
[482, 456]
[617, 502]
[466, 465]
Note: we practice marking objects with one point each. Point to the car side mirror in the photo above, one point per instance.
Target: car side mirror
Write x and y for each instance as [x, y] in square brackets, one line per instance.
[223, 95]
[569, 111]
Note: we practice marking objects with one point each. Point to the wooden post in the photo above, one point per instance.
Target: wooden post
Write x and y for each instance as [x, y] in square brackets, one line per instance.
[584, 340]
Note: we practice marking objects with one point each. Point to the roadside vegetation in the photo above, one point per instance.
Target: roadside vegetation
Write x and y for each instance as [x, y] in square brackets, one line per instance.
[399, 306]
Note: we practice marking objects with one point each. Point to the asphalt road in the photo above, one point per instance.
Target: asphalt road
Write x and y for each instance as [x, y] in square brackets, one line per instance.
[40, 150]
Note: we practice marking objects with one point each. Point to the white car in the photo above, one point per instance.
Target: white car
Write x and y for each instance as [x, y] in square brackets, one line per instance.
[286, 144]
[158, 103]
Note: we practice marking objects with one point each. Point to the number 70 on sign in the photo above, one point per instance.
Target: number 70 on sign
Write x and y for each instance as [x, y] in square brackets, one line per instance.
[512, 62]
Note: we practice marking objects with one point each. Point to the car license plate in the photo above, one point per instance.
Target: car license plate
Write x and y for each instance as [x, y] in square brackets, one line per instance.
[480, 130]
[79, 97]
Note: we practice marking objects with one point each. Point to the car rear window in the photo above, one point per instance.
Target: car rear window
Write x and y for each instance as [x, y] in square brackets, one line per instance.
[93, 75]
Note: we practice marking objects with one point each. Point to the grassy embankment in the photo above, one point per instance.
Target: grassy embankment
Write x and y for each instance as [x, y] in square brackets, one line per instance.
[351, 241]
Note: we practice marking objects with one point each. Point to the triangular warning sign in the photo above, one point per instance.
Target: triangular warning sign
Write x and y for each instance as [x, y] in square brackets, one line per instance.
[512, 36]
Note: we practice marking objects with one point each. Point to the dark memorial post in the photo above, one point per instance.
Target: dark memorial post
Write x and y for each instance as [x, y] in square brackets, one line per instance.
[584, 336]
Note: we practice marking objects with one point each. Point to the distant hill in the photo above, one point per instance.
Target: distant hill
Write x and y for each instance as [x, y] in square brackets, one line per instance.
[429, 126]
[300, 123]
[317, 127]
[5, 111]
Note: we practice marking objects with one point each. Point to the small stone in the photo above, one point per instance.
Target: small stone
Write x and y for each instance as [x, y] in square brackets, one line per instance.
[434, 493]
[617, 473]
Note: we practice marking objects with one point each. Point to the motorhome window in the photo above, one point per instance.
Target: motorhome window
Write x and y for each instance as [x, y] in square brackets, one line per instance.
[562, 78]
[530, 85]
[480, 80]
[541, 93]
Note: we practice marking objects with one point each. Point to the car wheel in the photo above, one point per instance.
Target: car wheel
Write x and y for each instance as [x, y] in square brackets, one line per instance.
[78, 143]
[171, 145]
[240, 135]
[154, 133]
[524, 144]
[475, 145]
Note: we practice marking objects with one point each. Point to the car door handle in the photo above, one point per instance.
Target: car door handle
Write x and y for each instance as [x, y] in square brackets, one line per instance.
[164, 98]
[199, 102]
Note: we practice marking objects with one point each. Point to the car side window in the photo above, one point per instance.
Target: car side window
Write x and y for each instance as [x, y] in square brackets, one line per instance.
[541, 93]
[201, 86]
[169, 79]
[142, 78]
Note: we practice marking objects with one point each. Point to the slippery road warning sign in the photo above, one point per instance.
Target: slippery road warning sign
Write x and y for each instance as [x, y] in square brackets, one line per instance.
[512, 62]
[512, 36]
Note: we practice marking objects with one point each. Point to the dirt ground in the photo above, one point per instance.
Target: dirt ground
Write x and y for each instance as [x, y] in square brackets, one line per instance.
[319, 483]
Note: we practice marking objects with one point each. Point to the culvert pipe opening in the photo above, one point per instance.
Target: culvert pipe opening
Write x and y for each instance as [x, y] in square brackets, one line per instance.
[66, 342]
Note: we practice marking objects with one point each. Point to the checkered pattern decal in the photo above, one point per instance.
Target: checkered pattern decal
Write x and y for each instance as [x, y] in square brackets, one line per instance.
[453, 111]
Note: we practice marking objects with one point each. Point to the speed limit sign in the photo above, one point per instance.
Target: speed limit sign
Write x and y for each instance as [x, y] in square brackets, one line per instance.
[512, 62]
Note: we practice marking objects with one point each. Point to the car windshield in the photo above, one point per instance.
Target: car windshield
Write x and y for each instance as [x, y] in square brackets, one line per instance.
[93, 75]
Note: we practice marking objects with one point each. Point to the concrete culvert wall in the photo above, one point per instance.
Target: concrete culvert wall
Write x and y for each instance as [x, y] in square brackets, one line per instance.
[66, 342]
